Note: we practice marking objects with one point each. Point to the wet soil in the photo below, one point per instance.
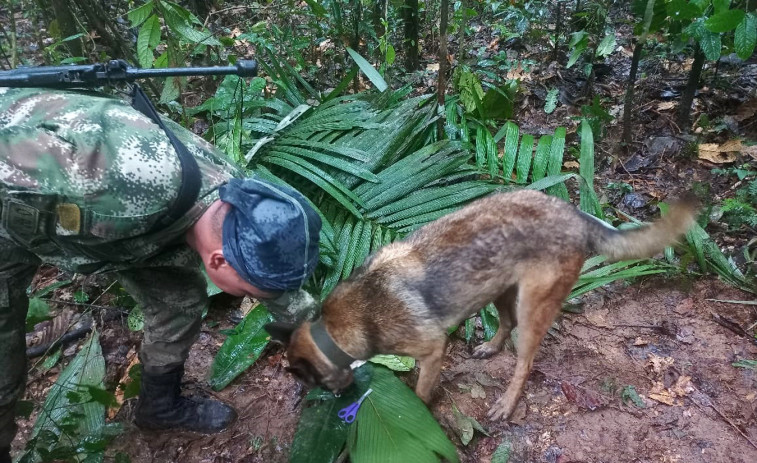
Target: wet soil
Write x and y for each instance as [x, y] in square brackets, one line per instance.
[657, 335]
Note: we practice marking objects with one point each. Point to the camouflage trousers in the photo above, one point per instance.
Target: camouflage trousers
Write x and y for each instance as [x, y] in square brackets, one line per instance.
[172, 300]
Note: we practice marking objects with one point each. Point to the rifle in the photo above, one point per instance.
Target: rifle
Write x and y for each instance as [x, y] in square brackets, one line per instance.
[114, 71]
[117, 70]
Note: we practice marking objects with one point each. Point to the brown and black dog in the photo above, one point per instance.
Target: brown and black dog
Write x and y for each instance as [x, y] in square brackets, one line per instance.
[522, 250]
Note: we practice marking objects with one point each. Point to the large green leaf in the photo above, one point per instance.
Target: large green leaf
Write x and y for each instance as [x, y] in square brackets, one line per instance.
[746, 36]
[70, 414]
[711, 45]
[147, 40]
[394, 426]
[241, 348]
[138, 15]
[725, 21]
[321, 434]
[588, 198]
[373, 75]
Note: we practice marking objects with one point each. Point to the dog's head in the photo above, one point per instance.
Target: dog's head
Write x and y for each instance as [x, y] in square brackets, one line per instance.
[306, 361]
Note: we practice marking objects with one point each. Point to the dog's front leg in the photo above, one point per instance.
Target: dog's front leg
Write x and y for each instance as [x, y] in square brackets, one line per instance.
[430, 369]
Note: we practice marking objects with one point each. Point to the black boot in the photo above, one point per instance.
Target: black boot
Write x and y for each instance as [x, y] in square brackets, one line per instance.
[5, 455]
[161, 406]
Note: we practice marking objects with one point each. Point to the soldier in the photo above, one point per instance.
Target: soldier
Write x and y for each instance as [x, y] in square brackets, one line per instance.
[89, 184]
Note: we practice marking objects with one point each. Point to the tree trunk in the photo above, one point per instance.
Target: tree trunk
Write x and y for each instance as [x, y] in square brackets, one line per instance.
[410, 17]
[684, 108]
[441, 85]
[98, 20]
[461, 51]
[67, 25]
[630, 92]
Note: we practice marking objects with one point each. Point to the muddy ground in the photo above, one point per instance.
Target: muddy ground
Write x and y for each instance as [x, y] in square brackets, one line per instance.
[657, 335]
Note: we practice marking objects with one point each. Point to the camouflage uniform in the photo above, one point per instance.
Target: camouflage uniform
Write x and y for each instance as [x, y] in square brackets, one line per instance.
[84, 178]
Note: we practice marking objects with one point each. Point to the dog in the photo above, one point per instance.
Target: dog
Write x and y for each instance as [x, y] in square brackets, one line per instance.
[521, 250]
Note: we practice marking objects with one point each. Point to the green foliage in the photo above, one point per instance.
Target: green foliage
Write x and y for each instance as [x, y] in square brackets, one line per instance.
[394, 362]
[39, 311]
[136, 319]
[551, 101]
[392, 425]
[71, 424]
[629, 394]
[502, 454]
[241, 348]
[373, 75]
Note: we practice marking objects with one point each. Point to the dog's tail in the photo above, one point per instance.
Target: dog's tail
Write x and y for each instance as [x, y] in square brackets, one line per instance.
[646, 240]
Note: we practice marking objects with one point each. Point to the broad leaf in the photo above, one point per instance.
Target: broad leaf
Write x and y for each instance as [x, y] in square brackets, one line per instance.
[321, 434]
[69, 404]
[241, 349]
[373, 75]
[394, 362]
[147, 40]
[39, 311]
[746, 36]
[551, 101]
[725, 21]
[394, 425]
[607, 45]
[138, 15]
[711, 45]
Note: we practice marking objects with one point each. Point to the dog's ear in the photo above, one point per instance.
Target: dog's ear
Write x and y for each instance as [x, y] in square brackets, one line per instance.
[280, 332]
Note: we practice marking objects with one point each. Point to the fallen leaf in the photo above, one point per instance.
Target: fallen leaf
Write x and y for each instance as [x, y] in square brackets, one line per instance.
[659, 364]
[732, 145]
[486, 380]
[477, 392]
[571, 165]
[125, 380]
[684, 307]
[666, 105]
[711, 152]
[640, 342]
[746, 110]
[582, 397]
[750, 151]
[433, 67]
[658, 393]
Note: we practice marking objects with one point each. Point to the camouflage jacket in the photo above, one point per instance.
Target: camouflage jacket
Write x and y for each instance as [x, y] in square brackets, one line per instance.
[84, 178]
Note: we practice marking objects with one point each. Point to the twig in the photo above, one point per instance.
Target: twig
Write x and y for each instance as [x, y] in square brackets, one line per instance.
[733, 326]
[717, 410]
[733, 302]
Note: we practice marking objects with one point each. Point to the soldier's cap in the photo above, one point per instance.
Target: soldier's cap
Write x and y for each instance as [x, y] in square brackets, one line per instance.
[270, 234]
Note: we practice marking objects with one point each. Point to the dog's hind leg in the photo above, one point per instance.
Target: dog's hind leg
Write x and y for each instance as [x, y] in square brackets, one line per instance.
[540, 297]
[430, 369]
[505, 305]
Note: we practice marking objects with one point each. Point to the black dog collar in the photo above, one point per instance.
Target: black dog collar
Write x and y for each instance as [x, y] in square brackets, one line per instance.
[325, 342]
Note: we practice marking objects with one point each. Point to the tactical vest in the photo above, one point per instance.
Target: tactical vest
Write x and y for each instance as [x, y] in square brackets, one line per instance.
[88, 183]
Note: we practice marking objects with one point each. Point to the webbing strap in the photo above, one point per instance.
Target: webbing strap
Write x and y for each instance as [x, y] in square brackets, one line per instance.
[191, 182]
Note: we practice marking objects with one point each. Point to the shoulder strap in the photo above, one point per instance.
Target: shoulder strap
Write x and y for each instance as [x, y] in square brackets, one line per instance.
[189, 189]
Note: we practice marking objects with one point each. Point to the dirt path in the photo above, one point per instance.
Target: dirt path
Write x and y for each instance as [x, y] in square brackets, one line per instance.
[613, 344]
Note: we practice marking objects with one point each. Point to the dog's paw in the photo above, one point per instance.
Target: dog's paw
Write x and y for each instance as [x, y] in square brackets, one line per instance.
[502, 409]
[485, 350]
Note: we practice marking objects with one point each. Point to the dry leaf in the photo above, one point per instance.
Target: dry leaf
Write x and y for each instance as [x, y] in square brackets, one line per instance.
[659, 364]
[125, 380]
[433, 67]
[732, 145]
[711, 152]
[571, 165]
[477, 392]
[746, 110]
[750, 151]
[666, 105]
[640, 342]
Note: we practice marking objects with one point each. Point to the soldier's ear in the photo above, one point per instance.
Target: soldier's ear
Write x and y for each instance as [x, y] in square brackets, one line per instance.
[280, 332]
